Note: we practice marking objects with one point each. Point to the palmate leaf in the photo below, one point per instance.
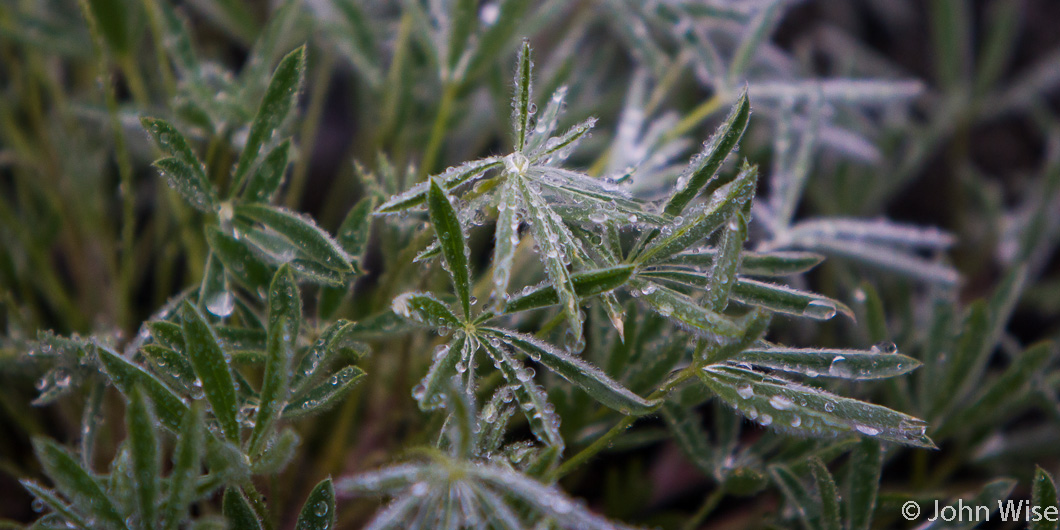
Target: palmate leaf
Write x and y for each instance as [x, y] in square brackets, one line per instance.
[239, 260]
[335, 340]
[684, 311]
[425, 308]
[266, 181]
[451, 239]
[777, 263]
[125, 375]
[507, 236]
[723, 270]
[584, 375]
[791, 407]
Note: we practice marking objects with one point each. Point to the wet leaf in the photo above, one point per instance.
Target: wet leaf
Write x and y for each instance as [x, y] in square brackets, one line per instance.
[300, 231]
[143, 446]
[318, 512]
[285, 316]
[325, 395]
[211, 366]
[451, 239]
[76, 483]
[237, 511]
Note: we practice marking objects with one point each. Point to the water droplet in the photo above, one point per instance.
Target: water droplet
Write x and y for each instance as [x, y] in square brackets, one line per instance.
[838, 368]
[820, 309]
[321, 509]
[419, 489]
[829, 406]
[780, 402]
[222, 304]
[866, 430]
[885, 347]
[796, 421]
[745, 391]
[766, 420]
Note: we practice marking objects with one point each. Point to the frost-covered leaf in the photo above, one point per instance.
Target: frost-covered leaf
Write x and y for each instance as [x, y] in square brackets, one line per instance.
[783, 299]
[266, 181]
[450, 179]
[335, 340]
[325, 395]
[544, 422]
[425, 308]
[723, 270]
[183, 170]
[842, 364]
[558, 148]
[790, 407]
[586, 284]
[285, 317]
[428, 392]
[451, 239]
[279, 99]
[300, 231]
[704, 167]
[523, 99]
[507, 236]
[551, 237]
[211, 366]
[584, 375]
[696, 225]
[318, 512]
[75, 483]
[685, 311]
[126, 375]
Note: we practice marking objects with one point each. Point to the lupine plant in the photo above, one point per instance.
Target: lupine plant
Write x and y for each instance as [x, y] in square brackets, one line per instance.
[528, 300]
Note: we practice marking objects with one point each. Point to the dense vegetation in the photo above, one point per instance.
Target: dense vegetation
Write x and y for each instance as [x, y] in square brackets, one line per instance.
[515, 264]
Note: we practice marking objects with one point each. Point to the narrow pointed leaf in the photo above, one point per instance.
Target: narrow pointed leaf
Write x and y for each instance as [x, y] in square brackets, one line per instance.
[842, 364]
[171, 366]
[550, 235]
[684, 311]
[239, 260]
[698, 224]
[75, 483]
[237, 511]
[450, 179]
[125, 376]
[187, 457]
[782, 299]
[318, 512]
[705, 166]
[266, 181]
[723, 270]
[451, 240]
[544, 423]
[279, 99]
[557, 148]
[523, 98]
[140, 425]
[278, 454]
[325, 395]
[285, 316]
[301, 231]
[429, 392]
[356, 228]
[796, 494]
[546, 123]
[425, 308]
[1043, 496]
[184, 180]
[52, 500]
[787, 406]
[315, 272]
[197, 188]
[586, 284]
[211, 366]
[167, 334]
[826, 489]
[863, 483]
[335, 340]
[507, 236]
[584, 375]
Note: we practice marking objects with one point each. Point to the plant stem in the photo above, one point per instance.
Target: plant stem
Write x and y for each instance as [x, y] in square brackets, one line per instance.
[708, 506]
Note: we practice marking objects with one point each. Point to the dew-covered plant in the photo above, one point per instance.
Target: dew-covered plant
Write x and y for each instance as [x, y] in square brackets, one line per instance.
[584, 321]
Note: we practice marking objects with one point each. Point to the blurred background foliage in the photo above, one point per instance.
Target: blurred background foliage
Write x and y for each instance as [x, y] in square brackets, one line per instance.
[938, 114]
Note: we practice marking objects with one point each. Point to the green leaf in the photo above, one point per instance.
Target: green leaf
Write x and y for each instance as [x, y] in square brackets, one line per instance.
[325, 395]
[166, 334]
[687, 429]
[1043, 497]
[76, 483]
[187, 182]
[187, 457]
[796, 494]
[266, 181]
[125, 376]
[863, 483]
[586, 284]
[112, 19]
[842, 364]
[723, 270]
[556, 246]
[280, 98]
[302, 232]
[314, 272]
[702, 173]
[211, 365]
[523, 98]
[584, 375]
[425, 308]
[695, 226]
[826, 489]
[239, 260]
[285, 317]
[184, 171]
[146, 457]
[544, 423]
[507, 236]
[318, 512]
[215, 297]
[51, 500]
[557, 147]
[450, 179]
[782, 299]
[356, 228]
[237, 511]
[790, 407]
[429, 392]
[990, 496]
[278, 454]
[334, 340]
[172, 366]
[451, 239]
[463, 18]
[684, 311]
